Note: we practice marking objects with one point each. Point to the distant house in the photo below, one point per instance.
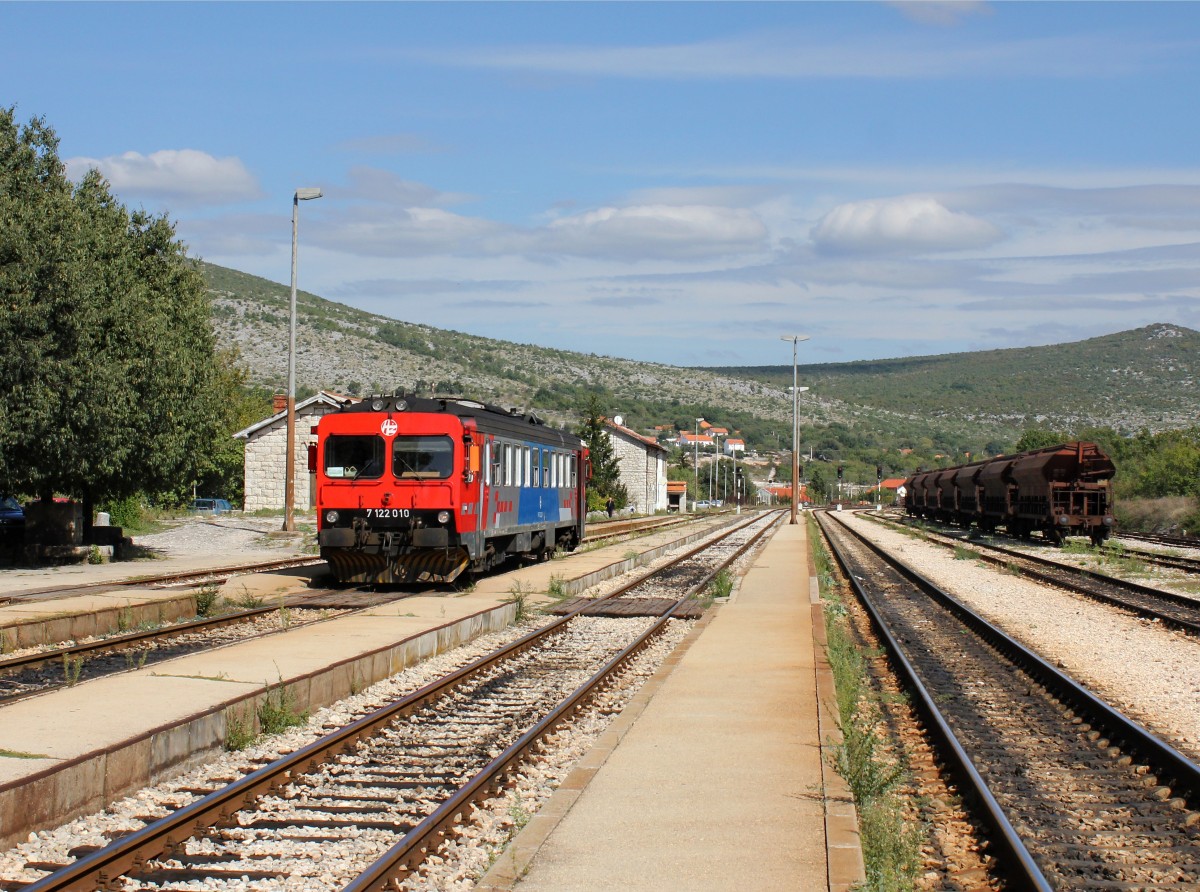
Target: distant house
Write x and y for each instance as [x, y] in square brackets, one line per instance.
[689, 441]
[733, 444]
[677, 495]
[643, 466]
[265, 464]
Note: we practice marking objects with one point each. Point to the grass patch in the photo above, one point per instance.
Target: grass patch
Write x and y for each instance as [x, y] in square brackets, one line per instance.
[278, 712]
[720, 586]
[17, 754]
[247, 600]
[891, 841]
[518, 596]
[239, 730]
[962, 553]
[557, 588]
[207, 597]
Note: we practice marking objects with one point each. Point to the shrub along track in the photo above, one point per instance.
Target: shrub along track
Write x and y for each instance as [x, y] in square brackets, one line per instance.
[367, 803]
[1074, 795]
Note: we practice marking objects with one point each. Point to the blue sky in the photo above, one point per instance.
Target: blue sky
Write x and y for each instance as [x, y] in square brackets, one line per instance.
[672, 182]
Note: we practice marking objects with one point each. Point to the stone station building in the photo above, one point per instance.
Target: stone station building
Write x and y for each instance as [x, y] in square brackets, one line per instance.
[266, 452]
[643, 465]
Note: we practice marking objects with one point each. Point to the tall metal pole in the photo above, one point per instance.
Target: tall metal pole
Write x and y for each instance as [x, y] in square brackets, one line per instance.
[696, 459]
[289, 489]
[795, 339]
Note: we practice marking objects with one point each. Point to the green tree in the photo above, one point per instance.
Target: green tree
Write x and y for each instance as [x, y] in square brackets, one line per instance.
[106, 343]
[606, 473]
[1039, 438]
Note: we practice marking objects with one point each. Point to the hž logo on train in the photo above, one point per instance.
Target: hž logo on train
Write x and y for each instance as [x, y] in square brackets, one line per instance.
[389, 427]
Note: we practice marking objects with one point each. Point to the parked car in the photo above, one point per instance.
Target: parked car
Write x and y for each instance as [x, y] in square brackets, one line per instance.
[12, 521]
[210, 506]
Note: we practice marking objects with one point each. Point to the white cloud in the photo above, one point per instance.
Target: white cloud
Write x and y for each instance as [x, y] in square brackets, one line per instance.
[186, 175]
[654, 231]
[906, 224]
[412, 232]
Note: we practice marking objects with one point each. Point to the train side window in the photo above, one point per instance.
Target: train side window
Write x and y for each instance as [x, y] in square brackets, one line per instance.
[574, 471]
[507, 481]
[553, 470]
[525, 480]
[546, 469]
[536, 467]
[487, 464]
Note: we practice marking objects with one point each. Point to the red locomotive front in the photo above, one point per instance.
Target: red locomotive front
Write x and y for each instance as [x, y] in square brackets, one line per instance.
[391, 500]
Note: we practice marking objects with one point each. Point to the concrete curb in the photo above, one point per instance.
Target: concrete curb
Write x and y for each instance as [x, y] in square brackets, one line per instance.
[843, 845]
[54, 628]
[89, 782]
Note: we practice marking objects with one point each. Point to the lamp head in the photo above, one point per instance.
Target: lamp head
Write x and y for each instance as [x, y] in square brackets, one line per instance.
[309, 193]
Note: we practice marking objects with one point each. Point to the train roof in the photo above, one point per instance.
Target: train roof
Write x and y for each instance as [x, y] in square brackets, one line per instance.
[515, 422]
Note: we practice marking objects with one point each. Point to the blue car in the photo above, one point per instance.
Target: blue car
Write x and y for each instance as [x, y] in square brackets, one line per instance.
[210, 506]
[12, 521]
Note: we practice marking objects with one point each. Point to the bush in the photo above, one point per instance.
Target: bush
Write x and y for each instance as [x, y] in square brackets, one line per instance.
[126, 512]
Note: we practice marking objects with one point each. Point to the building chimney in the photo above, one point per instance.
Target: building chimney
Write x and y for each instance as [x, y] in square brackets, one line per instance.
[280, 403]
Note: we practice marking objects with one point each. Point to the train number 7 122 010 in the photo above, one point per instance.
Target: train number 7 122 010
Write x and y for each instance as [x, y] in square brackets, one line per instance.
[388, 512]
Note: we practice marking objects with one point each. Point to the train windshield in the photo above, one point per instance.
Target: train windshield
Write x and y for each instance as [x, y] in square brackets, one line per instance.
[422, 457]
[354, 457]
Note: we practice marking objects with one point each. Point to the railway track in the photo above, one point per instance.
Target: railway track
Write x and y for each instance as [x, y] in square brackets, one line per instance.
[50, 669]
[1074, 794]
[189, 579]
[1177, 611]
[386, 790]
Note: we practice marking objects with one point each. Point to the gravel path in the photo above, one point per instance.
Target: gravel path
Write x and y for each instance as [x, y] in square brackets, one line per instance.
[1151, 673]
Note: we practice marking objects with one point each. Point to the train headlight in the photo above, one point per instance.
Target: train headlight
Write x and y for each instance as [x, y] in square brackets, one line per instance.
[331, 516]
[377, 405]
[1108, 521]
[443, 517]
[1063, 519]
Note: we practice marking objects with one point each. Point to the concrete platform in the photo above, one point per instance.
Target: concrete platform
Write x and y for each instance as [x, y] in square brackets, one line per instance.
[713, 778]
[73, 751]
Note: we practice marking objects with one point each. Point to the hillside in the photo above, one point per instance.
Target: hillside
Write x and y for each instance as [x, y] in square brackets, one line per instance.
[1144, 378]
[1141, 378]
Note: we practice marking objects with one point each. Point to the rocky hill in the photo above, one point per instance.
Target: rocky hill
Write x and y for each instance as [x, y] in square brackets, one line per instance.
[1135, 379]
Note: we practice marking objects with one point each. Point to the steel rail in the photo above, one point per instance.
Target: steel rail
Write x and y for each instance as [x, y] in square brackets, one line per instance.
[392, 867]
[162, 837]
[1020, 862]
[215, 573]
[1191, 627]
[1171, 767]
[131, 639]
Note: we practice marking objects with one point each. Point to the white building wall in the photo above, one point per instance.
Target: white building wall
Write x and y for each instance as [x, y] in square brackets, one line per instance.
[643, 472]
[266, 463]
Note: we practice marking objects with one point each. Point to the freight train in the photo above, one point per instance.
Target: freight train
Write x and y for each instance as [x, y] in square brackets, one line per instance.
[423, 489]
[1060, 490]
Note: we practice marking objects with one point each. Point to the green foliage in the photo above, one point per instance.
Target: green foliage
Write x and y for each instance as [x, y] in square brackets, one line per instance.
[125, 512]
[106, 342]
[239, 730]
[207, 597]
[278, 711]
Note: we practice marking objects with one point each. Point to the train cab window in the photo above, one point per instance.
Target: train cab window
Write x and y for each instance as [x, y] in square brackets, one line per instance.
[354, 457]
[416, 458]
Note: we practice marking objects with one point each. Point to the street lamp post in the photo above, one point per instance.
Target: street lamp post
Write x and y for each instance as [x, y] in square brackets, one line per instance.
[289, 493]
[696, 458]
[795, 339]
